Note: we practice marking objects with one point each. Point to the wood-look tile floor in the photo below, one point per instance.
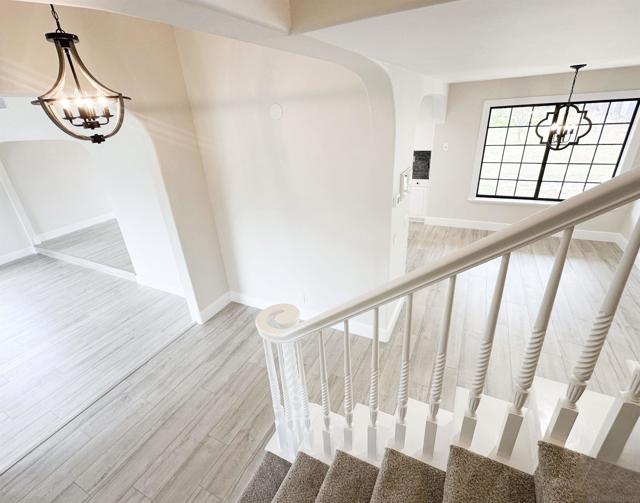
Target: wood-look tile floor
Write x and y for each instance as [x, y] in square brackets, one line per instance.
[190, 425]
[101, 243]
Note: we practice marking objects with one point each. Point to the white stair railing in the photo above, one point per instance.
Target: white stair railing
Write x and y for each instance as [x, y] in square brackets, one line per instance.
[523, 383]
[566, 411]
[280, 325]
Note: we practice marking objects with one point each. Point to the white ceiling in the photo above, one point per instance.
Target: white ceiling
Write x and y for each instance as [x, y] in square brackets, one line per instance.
[484, 39]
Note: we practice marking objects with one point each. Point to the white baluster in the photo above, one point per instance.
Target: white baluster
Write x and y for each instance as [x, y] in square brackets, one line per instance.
[276, 398]
[522, 385]
[325, 399]
[348, 390]
[272, 322]
[403, 388]
[304, 395]
[621, 419]
[437, 374]
[477, 387]
[566, 411]
[372, 430]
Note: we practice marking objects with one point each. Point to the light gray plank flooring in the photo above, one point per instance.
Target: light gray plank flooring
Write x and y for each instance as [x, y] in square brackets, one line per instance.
[191, 424]
[69, 334]
[101, 243]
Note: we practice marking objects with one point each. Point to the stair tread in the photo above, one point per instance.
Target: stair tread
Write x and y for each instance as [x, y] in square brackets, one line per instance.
[403, 479]
[349, 480]
[267, 480]
[471, 478]
[303, 481]
[567, 476]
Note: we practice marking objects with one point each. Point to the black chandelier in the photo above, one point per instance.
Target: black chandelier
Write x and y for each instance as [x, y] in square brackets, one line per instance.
[78, 103]
[566, 124]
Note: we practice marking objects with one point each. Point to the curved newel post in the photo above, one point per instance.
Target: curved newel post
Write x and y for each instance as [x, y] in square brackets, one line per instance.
[372, 430]
[348, 390]
[403, 388]
[288, 392]
[325, 399]
[566, 411]
[523, 383]
[477, 387]
[621, 419]
[437, 374]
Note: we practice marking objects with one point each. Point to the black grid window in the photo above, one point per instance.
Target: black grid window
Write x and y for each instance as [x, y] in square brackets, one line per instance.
[513, 160]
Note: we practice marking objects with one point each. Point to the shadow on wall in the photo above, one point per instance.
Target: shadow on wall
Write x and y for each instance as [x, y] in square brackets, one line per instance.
[129, 172]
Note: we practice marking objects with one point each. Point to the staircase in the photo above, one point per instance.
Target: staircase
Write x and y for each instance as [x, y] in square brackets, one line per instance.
[551, 442]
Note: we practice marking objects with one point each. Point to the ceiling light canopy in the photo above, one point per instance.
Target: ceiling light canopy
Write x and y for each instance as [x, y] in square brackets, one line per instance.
[566, 124]
[78, 103]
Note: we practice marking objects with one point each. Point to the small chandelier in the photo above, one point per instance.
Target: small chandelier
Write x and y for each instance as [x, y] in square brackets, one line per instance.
[78, 103]
[566, 124]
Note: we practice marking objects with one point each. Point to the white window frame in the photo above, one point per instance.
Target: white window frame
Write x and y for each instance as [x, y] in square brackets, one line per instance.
[628, 155]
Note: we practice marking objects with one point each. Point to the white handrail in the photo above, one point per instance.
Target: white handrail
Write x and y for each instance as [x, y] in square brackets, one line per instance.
[610, 195]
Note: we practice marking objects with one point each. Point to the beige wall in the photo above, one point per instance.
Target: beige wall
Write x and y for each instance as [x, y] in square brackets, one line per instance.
[453, 170]
[302, 203]
[141, 59]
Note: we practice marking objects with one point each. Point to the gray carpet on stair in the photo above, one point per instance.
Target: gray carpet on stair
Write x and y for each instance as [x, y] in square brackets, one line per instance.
[566, 476]
[349, 480]
[303, 481]
[267, 480]
[403, 479]
[473, 478]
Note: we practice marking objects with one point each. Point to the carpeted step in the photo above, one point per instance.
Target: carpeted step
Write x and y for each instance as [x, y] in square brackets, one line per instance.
[303, 481]
[565, 476]
[349, 480]
[473, 478]
[267, 480]
[403, 479]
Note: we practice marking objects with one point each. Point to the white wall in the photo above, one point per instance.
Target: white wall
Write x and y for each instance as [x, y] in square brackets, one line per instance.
[452, 171]
[14, 242]
[302, 203]
[57, 183]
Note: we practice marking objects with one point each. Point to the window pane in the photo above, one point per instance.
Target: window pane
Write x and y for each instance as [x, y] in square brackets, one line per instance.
[509, 170]
[592, 136]
[621, 111]
[499, 117]
[559, 155]
[496, 136]
[533, 154]
[487, 187]
[550, 190]
[533, 138]
[540, 113]
[490, 170]
[570, 189]
[506, 188]
[517, 136]
[520, 116]
[529, 171]
[554, 172]
[601, 172]
[577, 173]
[493, 154]
[591, 186]
[525, 189]
[512, 154]
[607, 154]
[597, 111]
[583, 153]
[614, 133]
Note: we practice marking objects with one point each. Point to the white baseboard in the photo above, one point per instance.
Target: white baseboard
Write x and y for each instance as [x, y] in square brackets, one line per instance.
[16, 255]
[212, 309]
[87, 264]
[68, 229]
[173, 289]
[609, 237]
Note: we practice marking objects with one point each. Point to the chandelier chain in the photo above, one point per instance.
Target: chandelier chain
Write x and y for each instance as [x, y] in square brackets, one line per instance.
[57, 19]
